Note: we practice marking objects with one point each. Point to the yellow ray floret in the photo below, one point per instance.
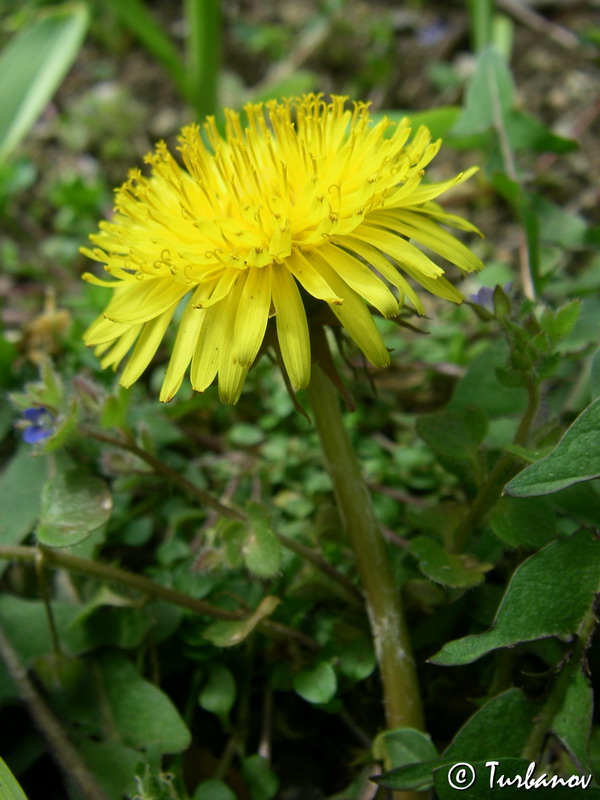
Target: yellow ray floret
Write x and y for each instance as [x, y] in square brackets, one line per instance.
[298, 196]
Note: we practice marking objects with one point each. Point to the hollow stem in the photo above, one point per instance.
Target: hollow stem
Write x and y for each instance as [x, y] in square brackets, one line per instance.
[382, 595]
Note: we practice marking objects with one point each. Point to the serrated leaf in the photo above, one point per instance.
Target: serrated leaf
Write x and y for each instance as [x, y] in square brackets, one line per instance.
[490, 93]
[9, 787]
[524, 521]
[558, 324]
[576, 458]
[228, 634]
[143, 715]
[456, 571]
[37, 59]
[317, 684]
[218, 693]
[261, 550]
[20, 489]
[534, 605]
[74, 504]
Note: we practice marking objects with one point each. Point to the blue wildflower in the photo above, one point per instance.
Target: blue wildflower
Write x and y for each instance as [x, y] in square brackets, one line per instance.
[41, 425]
[485, 296]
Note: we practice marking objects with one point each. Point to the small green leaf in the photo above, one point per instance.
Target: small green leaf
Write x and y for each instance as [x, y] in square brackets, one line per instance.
[534, 606]
[262, 550]
[74, 504]
[456, 434]
[228, 634]
[457, 571]
[9, 788]
[480, 384]
[357, 659]
[524, 521]
[20, 489]
[143, 715]
[558, 324]
[113, 764]
[218, 693]
[261, 780]
[37, 59]
[576, 458]
[403, 746]
[317, 684]
[213, 790]
[490, 94]
[572, 724]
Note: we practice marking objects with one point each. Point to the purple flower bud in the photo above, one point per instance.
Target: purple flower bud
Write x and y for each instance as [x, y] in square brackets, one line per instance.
[41, 427]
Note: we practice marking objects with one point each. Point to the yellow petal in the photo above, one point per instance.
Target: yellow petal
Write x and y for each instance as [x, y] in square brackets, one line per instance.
[104, 330]
[117, 353]
[185, 343]
[141, 301]
[360, 278]
[292, 327]
[216, 291]
[146, 346]
[205, 361]
[252, 315]
[309, 278]
[399, 249]
[426, 193]
[231, 374]
[429, 233]
[353, 314]
[389, 271]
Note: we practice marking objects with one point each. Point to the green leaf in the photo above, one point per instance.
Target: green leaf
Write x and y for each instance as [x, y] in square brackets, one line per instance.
[136, 16]
[490, 93]
[534, 605]
[499, 729]
[20, 489]
[317, 684]
[74, 504]
[456, 434]
[439, 120]
[228, 634]
[357, 659]
[456, 571]
[113, 765]
[213, 790]
[524, 522]
[218, 693]
[576, 458]
[143, 715]
[404, 746]
[595, 375]
[481, 384]
[262, 550]
[262, 782]
[572, 724]
[9, 788]
[558, 324]
[528, 133]
[37, 59]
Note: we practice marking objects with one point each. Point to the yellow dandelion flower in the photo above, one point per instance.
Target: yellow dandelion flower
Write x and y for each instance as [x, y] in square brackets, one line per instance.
[308, 196]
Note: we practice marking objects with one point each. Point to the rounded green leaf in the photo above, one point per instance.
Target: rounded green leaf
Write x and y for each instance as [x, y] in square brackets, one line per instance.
[74, 504]
[218, 694]
[317, 684]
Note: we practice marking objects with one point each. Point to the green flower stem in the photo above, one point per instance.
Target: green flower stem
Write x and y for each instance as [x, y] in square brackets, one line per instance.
[382, 595]
[60, 559]
[203, 46]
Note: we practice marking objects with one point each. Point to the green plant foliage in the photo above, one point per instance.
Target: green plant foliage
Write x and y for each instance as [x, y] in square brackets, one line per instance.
[20, 487]
[316, 684]
[534, 604]
[9, 788]
[575, 459]
[37, 59]
[73, 505]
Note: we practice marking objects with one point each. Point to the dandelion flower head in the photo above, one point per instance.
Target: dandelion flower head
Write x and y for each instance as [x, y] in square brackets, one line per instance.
[301, 198]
